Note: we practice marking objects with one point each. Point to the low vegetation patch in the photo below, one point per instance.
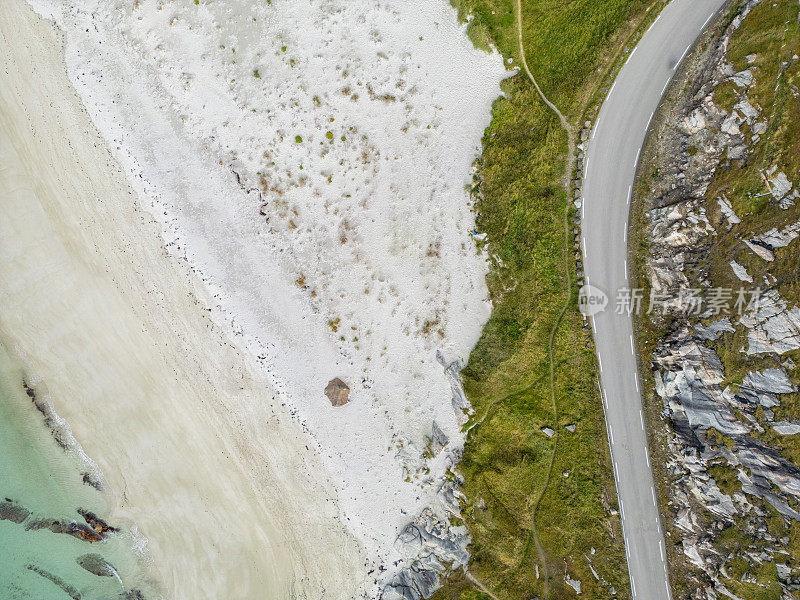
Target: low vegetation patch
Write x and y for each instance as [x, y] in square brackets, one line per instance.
[521, 204]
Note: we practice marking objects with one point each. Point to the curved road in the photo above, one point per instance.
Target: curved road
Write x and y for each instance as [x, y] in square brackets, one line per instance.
[610, 165]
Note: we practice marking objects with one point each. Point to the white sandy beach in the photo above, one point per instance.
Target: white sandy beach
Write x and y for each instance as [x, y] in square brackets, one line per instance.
[211, 209]
[200, 457]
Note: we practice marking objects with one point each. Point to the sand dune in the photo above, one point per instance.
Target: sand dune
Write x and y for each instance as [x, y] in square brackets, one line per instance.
[194, 446]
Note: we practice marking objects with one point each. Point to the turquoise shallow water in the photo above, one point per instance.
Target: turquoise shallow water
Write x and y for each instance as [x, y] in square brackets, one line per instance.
[43, 482]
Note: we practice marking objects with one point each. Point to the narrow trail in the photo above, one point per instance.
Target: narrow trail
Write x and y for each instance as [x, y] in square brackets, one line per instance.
[570, 161]
[564, 123]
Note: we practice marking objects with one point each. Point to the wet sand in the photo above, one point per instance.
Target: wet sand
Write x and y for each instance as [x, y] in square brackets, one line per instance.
[194, 447]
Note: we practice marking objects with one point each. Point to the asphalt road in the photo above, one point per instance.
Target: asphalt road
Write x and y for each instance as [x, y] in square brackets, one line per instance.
[610, 165]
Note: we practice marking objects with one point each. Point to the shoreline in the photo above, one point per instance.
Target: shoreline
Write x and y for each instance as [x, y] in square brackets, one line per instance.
[170, 410]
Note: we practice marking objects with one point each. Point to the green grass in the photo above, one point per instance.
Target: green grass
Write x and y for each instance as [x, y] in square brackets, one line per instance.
[522, 206]
[568, 45]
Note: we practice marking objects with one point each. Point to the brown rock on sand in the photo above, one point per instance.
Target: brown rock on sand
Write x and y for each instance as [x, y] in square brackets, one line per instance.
[337, 392]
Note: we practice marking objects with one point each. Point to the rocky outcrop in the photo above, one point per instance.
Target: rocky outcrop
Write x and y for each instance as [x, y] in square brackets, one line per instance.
[723, 475]
[432, 546]
[94, 529]
[96, 565]
[435, 542]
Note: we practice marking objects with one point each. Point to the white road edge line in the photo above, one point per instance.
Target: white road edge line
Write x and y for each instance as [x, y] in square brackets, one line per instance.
[666, 83]
[707, 20]
[684, 53]
[632, 350]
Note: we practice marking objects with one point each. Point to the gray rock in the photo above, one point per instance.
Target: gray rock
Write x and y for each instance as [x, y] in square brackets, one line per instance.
[748, 111]
[688, 381]
[743, 78]
[728, 212]
[760, 250]
[714, 330]
[786, 427]
[731, 125]
[438, 438]
[740, 272]
[428, 543]
[762, 387]
[573, 583]
[548, 431]
[779, 186]
[779, 238]
[773, 327]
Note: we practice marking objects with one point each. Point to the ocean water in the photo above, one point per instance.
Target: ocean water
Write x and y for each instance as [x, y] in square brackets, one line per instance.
[42, 482]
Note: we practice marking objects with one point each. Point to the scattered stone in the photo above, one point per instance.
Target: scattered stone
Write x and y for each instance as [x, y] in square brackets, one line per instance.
[740, 272]
[573, 583]
[748, 112]
[570, 427]
[728, 212]
[337, 392]
[760, 250]
[548, 432]
[779, 186]
[429, 542]
[784, 571]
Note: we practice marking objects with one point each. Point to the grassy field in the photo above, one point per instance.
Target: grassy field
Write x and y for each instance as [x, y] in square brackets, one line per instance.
[521, 204]
[772, 33]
